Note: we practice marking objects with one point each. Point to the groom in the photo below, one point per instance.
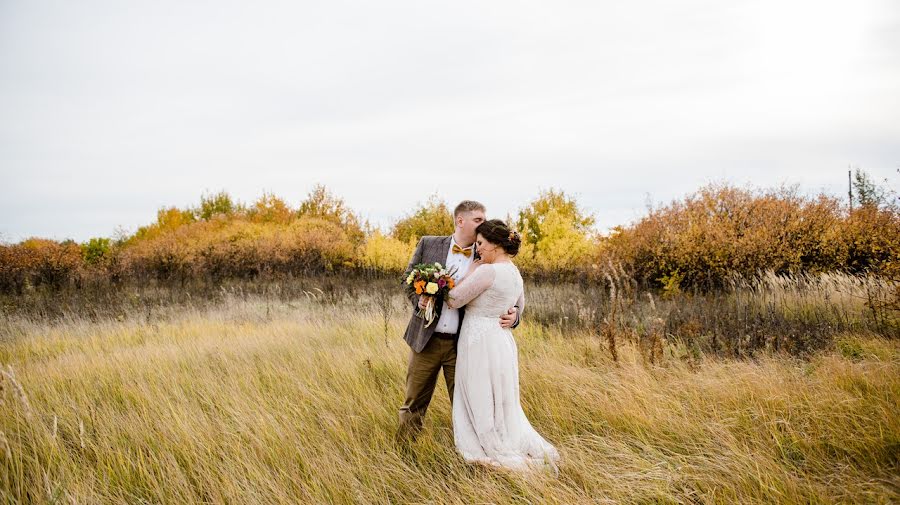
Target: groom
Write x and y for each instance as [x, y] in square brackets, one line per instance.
[434, 347]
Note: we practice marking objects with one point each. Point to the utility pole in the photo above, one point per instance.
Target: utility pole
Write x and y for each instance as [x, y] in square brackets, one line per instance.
[849, 188]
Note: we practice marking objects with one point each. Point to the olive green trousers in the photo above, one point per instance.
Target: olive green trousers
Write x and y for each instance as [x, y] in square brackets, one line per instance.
[421, 378]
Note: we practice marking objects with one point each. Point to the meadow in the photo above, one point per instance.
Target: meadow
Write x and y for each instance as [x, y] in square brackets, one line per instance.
[782, 390]
[733, 346]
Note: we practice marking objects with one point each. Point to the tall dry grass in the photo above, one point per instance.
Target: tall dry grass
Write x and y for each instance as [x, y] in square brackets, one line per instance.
[797, 314]
[259, 399]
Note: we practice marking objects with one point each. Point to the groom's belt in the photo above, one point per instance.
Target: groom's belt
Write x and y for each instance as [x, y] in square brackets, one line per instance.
[445, 336]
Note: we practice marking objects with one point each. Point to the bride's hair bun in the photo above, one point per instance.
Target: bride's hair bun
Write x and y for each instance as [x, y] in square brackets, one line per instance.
[497, 232]
[515, 239]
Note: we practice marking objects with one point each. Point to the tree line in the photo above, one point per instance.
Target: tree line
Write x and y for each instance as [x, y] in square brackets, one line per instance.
[697, 242]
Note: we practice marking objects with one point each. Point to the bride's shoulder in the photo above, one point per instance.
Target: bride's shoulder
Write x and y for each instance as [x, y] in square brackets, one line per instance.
[489, 269]
[509, 266]
[515, 269]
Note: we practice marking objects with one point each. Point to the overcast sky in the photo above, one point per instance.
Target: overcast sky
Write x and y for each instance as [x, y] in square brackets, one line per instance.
[110, 110]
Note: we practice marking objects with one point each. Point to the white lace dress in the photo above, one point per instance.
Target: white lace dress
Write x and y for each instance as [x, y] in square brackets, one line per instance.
[489, 425]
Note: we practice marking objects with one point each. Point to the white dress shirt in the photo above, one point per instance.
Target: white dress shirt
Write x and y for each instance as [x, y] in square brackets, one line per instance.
[449, 320]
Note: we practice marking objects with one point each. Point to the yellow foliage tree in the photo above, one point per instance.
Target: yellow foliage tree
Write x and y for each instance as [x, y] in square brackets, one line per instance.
[169, 218]
[557, 235]
[532, 218]
[322, 204]
[385, 253]
[562, 246]
[431, 218]
[270, 209]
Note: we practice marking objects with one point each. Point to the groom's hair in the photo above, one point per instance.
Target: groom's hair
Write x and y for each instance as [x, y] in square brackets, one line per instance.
[467, 206]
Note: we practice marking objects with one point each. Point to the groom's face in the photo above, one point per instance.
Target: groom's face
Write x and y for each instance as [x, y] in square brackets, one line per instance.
[466, 223]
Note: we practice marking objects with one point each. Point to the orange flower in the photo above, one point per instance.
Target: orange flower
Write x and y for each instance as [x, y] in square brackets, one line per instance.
[450, 283]
[420, 287]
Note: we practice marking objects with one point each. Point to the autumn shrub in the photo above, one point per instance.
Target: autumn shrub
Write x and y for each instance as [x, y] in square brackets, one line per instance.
[164, 257]
[722, 230]
[223, 248]
[40, 262]
[869, 240]
[385, 253]
[15, 268]
[695, 243]
[167, 220]
[270, 209]
[315, 243]
[322, 204]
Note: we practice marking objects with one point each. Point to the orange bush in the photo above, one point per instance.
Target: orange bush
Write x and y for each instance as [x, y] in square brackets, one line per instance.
[223, 247]
[870, 240]
[270, 209]
[722, 230]
[15, 268]
[37, 262]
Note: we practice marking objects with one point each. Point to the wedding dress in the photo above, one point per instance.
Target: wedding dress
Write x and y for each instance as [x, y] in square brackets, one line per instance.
[489, 425]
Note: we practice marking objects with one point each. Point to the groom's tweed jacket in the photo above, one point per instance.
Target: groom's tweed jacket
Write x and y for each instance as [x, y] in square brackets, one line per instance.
[430, 250]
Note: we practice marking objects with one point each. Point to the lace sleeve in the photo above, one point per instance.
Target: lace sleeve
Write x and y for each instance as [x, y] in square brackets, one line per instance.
[470, 287]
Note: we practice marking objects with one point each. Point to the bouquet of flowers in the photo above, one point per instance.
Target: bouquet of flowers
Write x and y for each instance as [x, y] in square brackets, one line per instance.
[433, 280]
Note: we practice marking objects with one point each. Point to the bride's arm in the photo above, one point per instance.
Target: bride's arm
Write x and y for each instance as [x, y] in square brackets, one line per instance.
[471, 286]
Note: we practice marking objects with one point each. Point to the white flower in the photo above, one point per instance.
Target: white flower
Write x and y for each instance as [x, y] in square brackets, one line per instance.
[431, 288]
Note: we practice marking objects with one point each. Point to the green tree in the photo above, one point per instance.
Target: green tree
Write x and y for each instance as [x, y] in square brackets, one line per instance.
[431, 218]
[95, 250]
[213, 204]
[866, 191]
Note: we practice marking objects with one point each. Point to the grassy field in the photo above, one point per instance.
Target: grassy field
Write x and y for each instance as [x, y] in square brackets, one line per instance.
[252, 400]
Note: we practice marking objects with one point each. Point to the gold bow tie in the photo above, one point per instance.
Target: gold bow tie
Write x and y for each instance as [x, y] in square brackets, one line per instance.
[459, 250]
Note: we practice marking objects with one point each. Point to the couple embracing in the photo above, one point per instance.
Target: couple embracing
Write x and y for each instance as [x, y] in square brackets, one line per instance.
[472, 342]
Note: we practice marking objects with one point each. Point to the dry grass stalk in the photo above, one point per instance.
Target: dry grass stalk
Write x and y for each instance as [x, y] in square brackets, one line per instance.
[610, 319]
[9, 375]
[6, 446]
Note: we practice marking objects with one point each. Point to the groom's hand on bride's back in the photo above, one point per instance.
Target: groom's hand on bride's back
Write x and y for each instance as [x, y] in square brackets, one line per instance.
[509, 319]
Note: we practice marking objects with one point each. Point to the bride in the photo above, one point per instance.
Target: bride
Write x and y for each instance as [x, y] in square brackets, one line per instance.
[489, 425]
